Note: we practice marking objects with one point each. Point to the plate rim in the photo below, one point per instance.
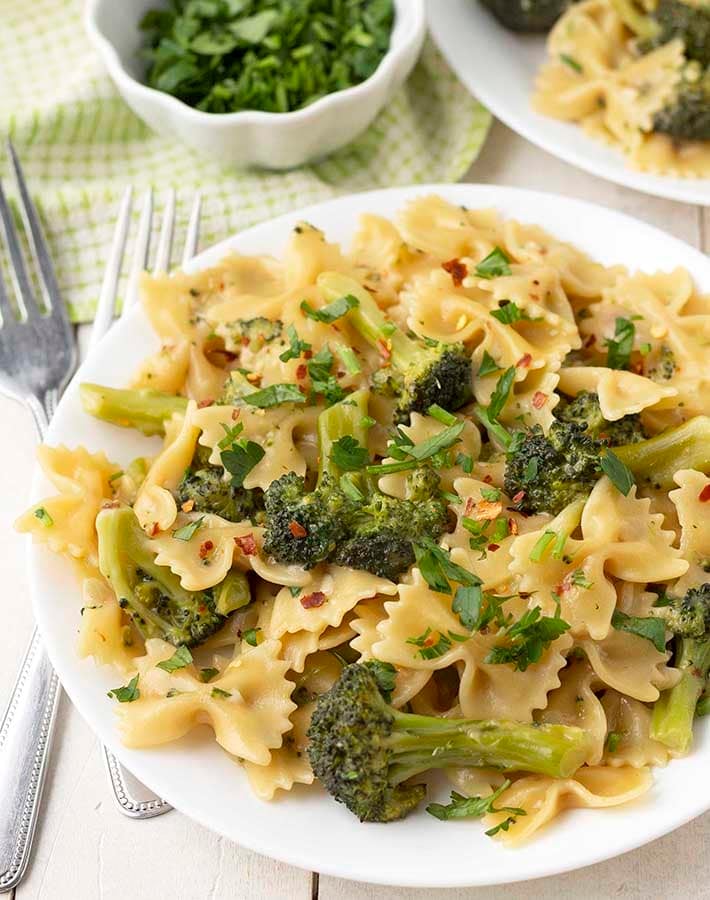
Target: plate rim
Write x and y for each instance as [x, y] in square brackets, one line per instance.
[291, 854]
[626, 176]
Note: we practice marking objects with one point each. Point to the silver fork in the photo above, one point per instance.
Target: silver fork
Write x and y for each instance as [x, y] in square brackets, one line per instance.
[37, 358]
[133, 798]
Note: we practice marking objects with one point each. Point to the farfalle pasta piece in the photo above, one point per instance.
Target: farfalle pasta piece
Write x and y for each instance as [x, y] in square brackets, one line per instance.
[621, 538]
[332, 593]
[620, 393]
[629, 742]
[204, 559]
[248, 706]
[630, 664]
[692, 502]
[66, 521]
[543, 798]
[103, 631]
[435, 226]
[275, 430]
[487, 690]
[155, 506]
[575, 703]
[166, 369]
[367, 616]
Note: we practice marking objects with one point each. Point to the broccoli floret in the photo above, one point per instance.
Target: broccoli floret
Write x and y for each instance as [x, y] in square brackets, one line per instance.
[527, 15]
[687, 115]
[420, 373]
[252, 333]
[584, 409]
[688, 618]
[382, 532]
[304, 527]
[657, 459]
[351, 524]
[678, 19]
[151, 594]
[142, 409]
[362, 749]
[210, 490]
[547, 472]
[663, 366]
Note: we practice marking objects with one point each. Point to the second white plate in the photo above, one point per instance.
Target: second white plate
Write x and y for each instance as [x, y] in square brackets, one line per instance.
[499, 68]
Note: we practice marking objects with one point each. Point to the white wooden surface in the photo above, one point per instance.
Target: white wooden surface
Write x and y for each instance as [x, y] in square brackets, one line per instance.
[86, 850]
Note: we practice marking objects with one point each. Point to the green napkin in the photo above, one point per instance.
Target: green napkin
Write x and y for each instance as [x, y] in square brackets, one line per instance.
[80, 146]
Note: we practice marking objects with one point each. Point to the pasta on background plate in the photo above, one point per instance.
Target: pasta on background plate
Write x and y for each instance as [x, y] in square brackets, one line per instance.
[436, 501]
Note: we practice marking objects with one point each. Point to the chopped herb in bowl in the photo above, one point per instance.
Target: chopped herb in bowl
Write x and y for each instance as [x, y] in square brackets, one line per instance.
[223, 56]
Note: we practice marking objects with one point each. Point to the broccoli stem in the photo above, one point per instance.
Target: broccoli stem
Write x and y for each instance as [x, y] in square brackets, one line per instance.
[232, 593]
[420, 743]
[370, 322]
[340, 420]
[145, 410]
[657, 459]
[674, 711]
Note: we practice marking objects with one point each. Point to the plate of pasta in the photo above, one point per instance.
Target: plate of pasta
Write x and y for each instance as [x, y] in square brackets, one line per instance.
[400, 499]
[615, 87]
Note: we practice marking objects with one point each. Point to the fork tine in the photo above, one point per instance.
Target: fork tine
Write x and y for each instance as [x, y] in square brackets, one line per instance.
[38, 243]
[165, 243]
[18, 269]
[109, 286]
[192, 237]
[8, 317]
[141, 250]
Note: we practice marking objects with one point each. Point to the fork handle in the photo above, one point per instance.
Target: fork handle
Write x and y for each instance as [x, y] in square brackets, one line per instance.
[25, 740]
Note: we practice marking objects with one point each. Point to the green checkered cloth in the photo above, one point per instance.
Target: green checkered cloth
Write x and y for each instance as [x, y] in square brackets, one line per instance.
[80, 146]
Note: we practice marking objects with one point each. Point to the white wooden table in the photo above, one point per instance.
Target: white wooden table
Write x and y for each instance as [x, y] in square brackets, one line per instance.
[86, 850]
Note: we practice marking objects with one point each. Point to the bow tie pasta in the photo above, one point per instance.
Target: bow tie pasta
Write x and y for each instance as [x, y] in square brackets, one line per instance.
[438, 501]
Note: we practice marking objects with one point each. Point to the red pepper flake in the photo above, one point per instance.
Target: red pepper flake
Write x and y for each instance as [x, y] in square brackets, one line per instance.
[110, 504]
[488, 479]
[493, 547]
[518, 497]
[704, 495]
[457, 270]
[254, 378]
[590, 341]
[539, 399]
[204, 403]
[235, 414]
[297, 530]
[512, 526]
[301, 371]
[524, 361]
[188, 506]
[385, 349]
[205, 548]
[245, 341]
[314, 600]
[307, 354]
[468, 508]
[246, 544]
[154, 529]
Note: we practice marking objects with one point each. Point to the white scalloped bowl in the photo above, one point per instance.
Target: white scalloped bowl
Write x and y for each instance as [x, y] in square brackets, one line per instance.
[306, 828]
[253, 137]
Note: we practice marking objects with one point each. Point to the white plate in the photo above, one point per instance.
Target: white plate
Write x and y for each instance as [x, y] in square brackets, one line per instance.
[499, 67]
[306, 828]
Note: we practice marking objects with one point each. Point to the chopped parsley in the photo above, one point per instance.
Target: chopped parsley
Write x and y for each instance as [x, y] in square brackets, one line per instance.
[618, 353]
[488, 415]
[572, 63]
[509, 312]
[187, 532]
[181, 658]
[332, 312]
[651, 628]
[348, 454]
[240, 459]
[494, 265]
[618, 472]
[208, 673]
[541, 545]
[438, 570]
[461, 807]
[128, 693]
[323, 382]
[275, 395]
[219, 694]
[525, 640]
[251, 636]
[296, 347]
[613, 739]
[431, 648]
[488, 365]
